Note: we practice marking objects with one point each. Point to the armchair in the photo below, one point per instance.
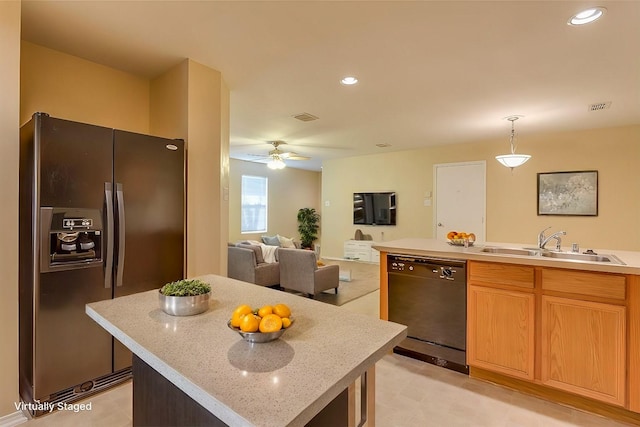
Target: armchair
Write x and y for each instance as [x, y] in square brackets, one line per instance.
[245, 263]
[299, 271]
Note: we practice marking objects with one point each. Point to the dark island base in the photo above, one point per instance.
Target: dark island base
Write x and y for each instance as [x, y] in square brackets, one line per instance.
[157, 402]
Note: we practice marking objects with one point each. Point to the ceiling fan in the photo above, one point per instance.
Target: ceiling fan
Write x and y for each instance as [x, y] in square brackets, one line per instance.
[276, 157]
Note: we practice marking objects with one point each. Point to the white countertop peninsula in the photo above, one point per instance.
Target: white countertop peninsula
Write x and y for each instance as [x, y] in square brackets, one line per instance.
[436, 248]
[282, 383]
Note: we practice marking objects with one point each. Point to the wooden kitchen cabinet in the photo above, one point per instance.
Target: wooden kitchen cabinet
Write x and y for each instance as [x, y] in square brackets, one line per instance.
[584, 333]
[583, 348]
[567, 329]
[500, 331]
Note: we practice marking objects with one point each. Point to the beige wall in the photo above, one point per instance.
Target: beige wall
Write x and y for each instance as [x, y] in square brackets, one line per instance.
[511, 197]
[289, 190]
[72, 88]
[169, 103]
[208, 171]
[9, 125]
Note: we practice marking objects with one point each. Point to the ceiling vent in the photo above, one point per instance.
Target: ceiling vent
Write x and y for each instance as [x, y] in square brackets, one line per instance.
[305, 117]
[599, 106]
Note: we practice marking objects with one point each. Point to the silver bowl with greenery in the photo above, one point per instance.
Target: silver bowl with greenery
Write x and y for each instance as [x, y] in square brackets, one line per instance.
[185, 297]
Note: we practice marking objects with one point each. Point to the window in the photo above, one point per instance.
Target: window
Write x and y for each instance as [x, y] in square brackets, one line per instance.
[254, 204]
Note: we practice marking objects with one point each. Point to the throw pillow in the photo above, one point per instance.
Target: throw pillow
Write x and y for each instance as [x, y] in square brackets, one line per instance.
[286, 242]
[271, 240]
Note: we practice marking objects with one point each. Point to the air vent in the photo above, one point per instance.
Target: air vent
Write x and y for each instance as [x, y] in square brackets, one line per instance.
[599, 106]
[305, 117]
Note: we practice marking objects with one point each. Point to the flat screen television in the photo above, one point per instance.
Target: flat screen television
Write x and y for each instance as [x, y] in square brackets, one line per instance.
[374, 208]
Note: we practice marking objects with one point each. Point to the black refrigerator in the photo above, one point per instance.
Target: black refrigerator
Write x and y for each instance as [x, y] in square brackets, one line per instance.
[102, 215]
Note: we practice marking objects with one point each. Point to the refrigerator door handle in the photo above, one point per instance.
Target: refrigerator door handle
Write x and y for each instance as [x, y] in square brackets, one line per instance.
[121, 234]
[108, 268]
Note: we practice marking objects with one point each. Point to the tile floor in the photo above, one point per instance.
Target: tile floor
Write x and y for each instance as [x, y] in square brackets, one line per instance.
[409, 393]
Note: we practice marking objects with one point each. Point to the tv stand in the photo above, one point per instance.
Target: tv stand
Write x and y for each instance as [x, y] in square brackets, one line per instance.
[361, 250]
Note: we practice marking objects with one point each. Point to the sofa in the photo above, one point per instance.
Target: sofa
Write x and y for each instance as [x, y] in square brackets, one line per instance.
[245, 262]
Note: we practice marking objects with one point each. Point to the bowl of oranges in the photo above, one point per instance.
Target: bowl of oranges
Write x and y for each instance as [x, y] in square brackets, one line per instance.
[457, 238]
[265, 324]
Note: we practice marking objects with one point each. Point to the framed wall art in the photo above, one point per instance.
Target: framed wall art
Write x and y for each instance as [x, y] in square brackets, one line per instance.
[568, 193]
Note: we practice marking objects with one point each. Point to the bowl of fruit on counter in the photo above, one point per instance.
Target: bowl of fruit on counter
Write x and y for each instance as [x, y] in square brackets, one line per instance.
[460, 238]
[265, 324]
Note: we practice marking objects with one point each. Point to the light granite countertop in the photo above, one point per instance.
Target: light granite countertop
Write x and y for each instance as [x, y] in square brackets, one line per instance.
[436, 248]
[282, 383]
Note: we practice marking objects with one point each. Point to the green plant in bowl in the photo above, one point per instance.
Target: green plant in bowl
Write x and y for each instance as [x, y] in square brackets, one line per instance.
[184, 297]
[185, 288]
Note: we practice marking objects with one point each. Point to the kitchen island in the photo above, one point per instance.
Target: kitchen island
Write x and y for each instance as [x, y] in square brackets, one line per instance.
[286, 382]
[567, 330]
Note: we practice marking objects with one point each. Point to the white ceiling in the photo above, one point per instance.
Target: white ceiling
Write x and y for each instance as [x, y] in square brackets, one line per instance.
[431, 72]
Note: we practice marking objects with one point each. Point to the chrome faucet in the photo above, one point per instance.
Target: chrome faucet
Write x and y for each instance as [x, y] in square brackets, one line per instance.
[543, 240]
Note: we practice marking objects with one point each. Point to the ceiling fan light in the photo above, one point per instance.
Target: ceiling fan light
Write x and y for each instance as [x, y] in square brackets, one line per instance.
[276, 163]
[513, 160]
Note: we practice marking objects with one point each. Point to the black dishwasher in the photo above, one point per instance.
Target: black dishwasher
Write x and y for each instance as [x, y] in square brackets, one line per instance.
[429, 295]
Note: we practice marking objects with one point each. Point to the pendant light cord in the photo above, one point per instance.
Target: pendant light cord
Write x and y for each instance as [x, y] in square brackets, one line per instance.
[513, 133]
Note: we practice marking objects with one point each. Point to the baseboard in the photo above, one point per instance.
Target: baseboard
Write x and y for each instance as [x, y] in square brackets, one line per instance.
[14, 419]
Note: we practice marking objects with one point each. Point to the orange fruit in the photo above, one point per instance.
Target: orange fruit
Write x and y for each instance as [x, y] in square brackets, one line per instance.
[286, 322]
[282, 310]
[240, 311]
[267, 309]
[249, 323]
[270, 323]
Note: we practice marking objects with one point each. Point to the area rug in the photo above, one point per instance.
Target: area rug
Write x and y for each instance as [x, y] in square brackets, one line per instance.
[365, 278]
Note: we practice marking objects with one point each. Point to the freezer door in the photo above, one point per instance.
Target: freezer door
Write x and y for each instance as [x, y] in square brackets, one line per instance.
[70, 347]
[150, 204]
[75, 162]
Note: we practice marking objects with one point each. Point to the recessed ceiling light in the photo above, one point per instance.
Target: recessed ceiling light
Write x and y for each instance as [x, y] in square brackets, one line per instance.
[349, 80]
[587, 16]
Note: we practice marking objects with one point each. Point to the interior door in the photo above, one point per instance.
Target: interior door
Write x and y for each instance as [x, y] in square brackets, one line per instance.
[460, 199]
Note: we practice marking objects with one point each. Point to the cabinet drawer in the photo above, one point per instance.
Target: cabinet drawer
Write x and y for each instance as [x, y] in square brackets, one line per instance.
[501, 274]
[358, 245]
[604, 285]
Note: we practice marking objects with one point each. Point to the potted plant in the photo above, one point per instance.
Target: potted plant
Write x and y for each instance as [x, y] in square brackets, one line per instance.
[185, 297]
[308, 225]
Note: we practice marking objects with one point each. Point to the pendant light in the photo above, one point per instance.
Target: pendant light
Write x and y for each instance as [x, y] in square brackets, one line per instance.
[513, 160]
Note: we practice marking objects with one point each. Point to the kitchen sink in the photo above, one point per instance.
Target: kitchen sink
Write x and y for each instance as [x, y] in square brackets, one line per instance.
[511, 251]
[608, 258]
[584, 257]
